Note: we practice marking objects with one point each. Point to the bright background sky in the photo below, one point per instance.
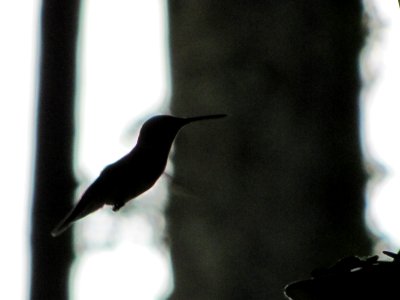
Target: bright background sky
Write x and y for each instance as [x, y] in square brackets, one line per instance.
[18, 22]
[123, 77]
[381, 124]
[123, 80]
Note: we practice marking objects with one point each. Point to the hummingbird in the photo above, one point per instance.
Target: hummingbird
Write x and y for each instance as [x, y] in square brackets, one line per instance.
[134, 173]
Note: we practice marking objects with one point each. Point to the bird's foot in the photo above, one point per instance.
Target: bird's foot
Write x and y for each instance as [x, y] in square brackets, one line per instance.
[117, 206]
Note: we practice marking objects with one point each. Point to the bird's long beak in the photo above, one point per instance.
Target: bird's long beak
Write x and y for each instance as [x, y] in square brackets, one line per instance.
[200, 118]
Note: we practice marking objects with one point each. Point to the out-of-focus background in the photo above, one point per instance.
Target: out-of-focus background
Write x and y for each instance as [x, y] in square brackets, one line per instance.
[303, 172]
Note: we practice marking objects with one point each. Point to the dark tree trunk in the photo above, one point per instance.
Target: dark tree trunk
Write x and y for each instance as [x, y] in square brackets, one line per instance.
[53, 176]
[277, 188]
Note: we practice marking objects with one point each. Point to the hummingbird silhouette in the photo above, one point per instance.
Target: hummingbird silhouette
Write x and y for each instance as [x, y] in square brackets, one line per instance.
[134, 173]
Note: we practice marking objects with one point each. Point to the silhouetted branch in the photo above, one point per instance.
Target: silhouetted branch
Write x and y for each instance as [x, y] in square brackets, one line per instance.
[53, 177]
[351, 278]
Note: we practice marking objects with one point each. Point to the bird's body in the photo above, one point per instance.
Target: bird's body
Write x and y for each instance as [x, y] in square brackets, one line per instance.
[134, 173]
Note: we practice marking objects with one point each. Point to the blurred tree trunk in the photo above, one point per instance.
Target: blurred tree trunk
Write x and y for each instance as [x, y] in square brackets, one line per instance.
[277, 188]
[53, 176]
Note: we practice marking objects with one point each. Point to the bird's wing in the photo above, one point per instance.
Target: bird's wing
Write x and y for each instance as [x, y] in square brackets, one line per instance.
[90, 202]
[81, 210]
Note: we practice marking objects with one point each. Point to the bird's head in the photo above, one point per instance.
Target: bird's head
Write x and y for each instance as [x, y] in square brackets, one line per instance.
[162, 129]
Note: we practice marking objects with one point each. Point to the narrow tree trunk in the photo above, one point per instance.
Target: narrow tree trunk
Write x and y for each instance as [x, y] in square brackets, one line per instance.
[53, 176]
[277, 188]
